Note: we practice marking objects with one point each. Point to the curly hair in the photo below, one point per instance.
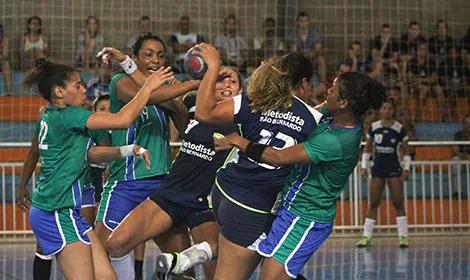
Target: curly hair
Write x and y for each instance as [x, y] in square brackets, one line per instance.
[270, 87]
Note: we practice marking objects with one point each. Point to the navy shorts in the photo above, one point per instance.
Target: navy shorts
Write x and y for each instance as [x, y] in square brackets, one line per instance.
[178, 213]
[237, 224]
[384, 173]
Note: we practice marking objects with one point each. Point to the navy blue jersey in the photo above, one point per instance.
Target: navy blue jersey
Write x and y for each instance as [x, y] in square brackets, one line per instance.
[386, 141]
[255, 186]
[192, 174]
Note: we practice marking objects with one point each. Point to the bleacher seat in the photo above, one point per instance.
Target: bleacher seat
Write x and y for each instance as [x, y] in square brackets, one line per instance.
[426, 131]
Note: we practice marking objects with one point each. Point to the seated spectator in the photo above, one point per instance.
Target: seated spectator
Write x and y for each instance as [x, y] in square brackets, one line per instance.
[384, 48]
[408, 45]
[90, 42]
[5, 67]
[269, 45]
[233, 49]
[453, 75]
[440, 44]
[421, 73]
[145, 24]
[461, 152]
[319, 91]
[308, 43]
[358, 63]
[99, 86]
[465, 48]
[182, 41]
[34, 43]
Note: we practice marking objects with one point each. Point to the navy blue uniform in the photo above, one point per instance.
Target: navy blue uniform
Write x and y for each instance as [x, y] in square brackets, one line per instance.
[191, 177]
[249, 189]
[386, 140]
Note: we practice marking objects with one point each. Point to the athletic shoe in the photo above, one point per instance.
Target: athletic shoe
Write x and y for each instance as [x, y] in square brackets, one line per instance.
[364, 242]
[157, 275]
[169, 263]
[403, 241]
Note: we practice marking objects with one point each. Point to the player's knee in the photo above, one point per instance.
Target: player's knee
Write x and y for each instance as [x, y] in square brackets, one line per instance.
[374, 205]
[398, 203]
[115, 246]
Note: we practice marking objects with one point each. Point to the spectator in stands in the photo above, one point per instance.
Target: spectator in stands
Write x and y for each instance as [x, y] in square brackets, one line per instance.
[466, 47]
[453, 74]
[99, 86]
[90, 42]
[408, 45]
[269, 45]
[5, 67]
[384, 48]
[358, 63]
[34, 43]
[440, 44]
[233, 49]
[461, 152]
[319, 92]
[145, 24]
[182, 41]
[308, 43]
[422, 80]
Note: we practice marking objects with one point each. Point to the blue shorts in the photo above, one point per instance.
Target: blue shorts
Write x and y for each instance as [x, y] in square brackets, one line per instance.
[53, 230]
[293, 240]
[88, 196]
[120, 198]
[385, 173]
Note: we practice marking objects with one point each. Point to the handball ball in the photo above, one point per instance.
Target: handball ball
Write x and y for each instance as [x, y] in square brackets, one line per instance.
[194, 64]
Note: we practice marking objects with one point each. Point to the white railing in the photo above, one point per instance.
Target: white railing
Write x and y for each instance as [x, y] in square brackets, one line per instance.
[430, 203]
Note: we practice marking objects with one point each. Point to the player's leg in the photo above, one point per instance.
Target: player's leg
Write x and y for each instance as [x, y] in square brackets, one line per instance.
[375, 194]
[41, 265]
[143, 223]
[101, 264]
[139, 254]
[291, 242]
[205, 232]
[396, 190]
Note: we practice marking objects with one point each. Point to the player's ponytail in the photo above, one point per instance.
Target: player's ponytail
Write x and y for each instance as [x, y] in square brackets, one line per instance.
[47, 75]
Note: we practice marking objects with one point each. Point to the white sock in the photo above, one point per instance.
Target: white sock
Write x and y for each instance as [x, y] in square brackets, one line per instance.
[124, 267]
[195, 255]
[402, 223]
[369, 227]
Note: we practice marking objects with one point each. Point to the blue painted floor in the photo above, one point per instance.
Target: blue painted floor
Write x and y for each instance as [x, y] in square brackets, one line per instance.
[427, 258]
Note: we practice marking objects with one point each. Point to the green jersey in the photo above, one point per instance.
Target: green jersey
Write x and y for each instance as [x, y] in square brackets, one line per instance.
[150, 131]
[96, 136]
[311, 190]
[63, 143]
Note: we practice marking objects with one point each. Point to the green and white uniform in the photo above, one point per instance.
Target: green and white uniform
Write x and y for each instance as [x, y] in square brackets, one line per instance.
[310, 193]
[54, 215]
[130, 183]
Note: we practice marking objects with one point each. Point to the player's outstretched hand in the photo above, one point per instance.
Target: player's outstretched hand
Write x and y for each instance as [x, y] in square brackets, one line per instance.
[142, 154]
[108, 53]
[222, 143]
[209, 54]
[24, 199]
[159, 77]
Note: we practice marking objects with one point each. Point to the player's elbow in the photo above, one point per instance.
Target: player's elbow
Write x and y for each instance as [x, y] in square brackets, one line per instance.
[202, 117]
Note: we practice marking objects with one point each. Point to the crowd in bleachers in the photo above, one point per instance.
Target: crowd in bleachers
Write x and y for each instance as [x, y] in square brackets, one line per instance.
[427, 77]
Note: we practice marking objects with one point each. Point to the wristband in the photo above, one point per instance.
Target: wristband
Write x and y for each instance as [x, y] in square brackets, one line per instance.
[255, 150]
[141, 153]
[128, 65]
[127, 151]
[365, 160]
[406, 163]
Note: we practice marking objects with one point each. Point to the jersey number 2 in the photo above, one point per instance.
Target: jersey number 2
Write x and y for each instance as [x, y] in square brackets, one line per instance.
[42, 135]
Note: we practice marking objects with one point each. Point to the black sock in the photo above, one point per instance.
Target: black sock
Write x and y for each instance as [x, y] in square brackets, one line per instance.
[138, 265]
[41, 268]
[301, 277]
